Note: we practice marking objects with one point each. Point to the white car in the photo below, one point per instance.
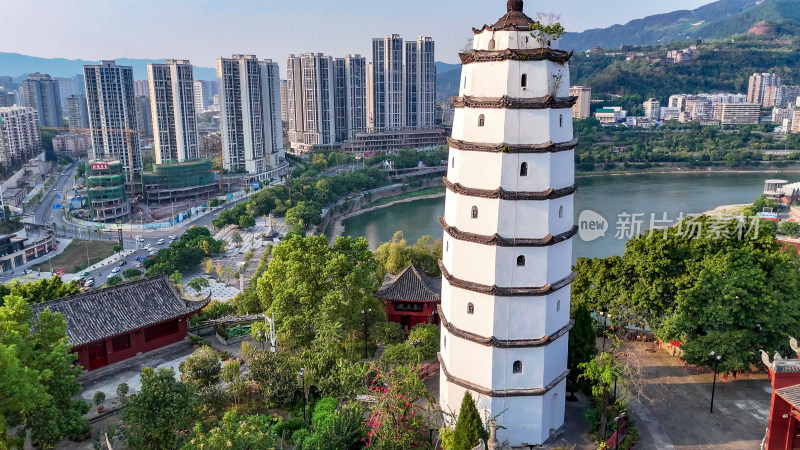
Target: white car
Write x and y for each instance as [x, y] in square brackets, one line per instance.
[172, 237]
[148, 246]
[115, 270]
[161, 242]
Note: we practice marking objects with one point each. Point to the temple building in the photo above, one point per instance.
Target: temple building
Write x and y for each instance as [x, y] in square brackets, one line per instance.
[412, 297]
[508, 229]
[783, 432]
[113, 324]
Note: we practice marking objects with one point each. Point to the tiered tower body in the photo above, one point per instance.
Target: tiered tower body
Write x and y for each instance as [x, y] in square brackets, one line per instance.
[508, 225]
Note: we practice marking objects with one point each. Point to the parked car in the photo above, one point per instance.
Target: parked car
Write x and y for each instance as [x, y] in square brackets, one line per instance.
[122, 263]
[161, 242]
[88, 283]
[148, 246]
[115, 270]
[172, 237]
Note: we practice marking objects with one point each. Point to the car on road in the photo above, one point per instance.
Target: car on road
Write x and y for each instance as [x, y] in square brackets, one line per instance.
[122, 263]
[89, 282]
[55, 190]
[161, 242]
[115, 270]
[148, 246]
[139, 266]
[172, 237]
[139, 239]
[28, 271]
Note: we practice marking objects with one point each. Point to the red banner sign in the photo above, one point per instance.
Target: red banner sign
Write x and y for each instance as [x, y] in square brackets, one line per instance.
[99, 166]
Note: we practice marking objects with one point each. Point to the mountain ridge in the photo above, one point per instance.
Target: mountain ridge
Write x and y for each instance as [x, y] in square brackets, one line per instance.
[718, 20]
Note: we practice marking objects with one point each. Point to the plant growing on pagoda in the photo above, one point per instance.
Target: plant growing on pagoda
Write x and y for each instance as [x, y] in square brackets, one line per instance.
[547, 28]
[469, 427]
[396, 420]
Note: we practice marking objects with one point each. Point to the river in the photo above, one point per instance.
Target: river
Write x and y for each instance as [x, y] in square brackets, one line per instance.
[610, 196]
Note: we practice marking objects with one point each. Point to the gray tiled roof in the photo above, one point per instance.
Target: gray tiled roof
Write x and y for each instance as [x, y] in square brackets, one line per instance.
[791, 394]
[411, 284]
[104, 313]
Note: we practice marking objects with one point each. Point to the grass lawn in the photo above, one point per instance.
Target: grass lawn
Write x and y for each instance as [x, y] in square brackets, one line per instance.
[407, 195]
[73, 258]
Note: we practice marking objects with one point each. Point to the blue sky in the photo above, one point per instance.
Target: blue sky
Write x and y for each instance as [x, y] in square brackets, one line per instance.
[203, 30]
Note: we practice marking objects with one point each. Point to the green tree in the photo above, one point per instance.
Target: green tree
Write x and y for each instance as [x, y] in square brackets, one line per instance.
[113, 281]
[201, 370]
[235, 432]
[198, 284]
[582, 345]
[789, 228]
[400, 355]
[162, 407]
[309, 285]
[469, 427]
[208, 266]
[604, 373]
[425, 337]
[131, 273]
[44, 290]
[232, 374]
[304, 214]
[276, 375]
[237, 239]
[394, 256]
[344, 431]
[387, 333]
[176, 278]
[247, 221]
[37, 351]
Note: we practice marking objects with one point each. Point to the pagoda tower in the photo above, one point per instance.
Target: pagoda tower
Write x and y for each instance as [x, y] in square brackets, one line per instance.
[508, 229]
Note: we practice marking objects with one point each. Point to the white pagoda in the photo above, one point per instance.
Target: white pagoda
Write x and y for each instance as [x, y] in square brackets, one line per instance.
[508, 229]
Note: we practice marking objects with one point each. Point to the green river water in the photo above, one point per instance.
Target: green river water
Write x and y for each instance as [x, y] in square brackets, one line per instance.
[609, 195]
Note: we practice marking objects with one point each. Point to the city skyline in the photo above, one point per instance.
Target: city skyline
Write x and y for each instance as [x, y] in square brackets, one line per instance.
[340, 28]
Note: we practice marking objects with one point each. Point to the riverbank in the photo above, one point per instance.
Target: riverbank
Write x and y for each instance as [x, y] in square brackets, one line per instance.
[675, 169]
[338, 227]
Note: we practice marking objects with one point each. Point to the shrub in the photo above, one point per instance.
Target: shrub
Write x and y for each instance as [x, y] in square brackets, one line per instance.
[469, 427]
[202, 368]
[400, 355]
[323, 413]
[299, 436]
[428, 337]
[288, 427]
[387, 333]
[99, 398]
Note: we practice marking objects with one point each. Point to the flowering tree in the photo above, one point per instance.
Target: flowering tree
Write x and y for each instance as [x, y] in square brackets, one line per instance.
[399, 419]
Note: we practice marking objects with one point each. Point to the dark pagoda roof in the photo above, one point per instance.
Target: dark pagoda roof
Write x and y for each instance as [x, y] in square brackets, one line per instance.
[109, 312]
[411, 284]
[514, 20]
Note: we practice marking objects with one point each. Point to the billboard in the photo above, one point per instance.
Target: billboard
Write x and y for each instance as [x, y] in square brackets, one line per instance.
[99, 166]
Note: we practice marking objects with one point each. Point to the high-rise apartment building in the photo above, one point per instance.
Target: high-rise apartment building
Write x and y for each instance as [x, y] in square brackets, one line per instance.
[420, 84]
[144, 116]
[172, 105]
[583, 107]
[77, 113]
[67, 87]
[285, 110]
[737, 113]
[652, 109]
[141, 88]
[311, 86]
[249, 93]
[387, 73]
[203, 95]
[112, 115]
[19, 134]
[40, 91]
[370, 97]
[758, 87]
[350, 96]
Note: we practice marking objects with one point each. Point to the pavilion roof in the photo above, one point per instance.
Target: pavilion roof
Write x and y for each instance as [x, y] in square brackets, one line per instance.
[791, 394]
[120, 309]
[411, 284]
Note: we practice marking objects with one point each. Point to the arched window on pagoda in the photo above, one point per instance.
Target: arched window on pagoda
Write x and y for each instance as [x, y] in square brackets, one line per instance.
[520, 261]
[561, 211]
[517, 367]
[474, 212]
[561, 120]
[523, 170]
[524, 81]
[470, 309]
[491, 44]
[481, 120]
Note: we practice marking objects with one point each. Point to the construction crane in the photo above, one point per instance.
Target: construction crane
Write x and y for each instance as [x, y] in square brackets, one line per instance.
[128, 134]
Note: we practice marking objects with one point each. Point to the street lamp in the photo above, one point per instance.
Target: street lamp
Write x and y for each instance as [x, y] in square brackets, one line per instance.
[302, 375]
[715, 359]
[365, 312]
[618, 419]
[604, 314]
